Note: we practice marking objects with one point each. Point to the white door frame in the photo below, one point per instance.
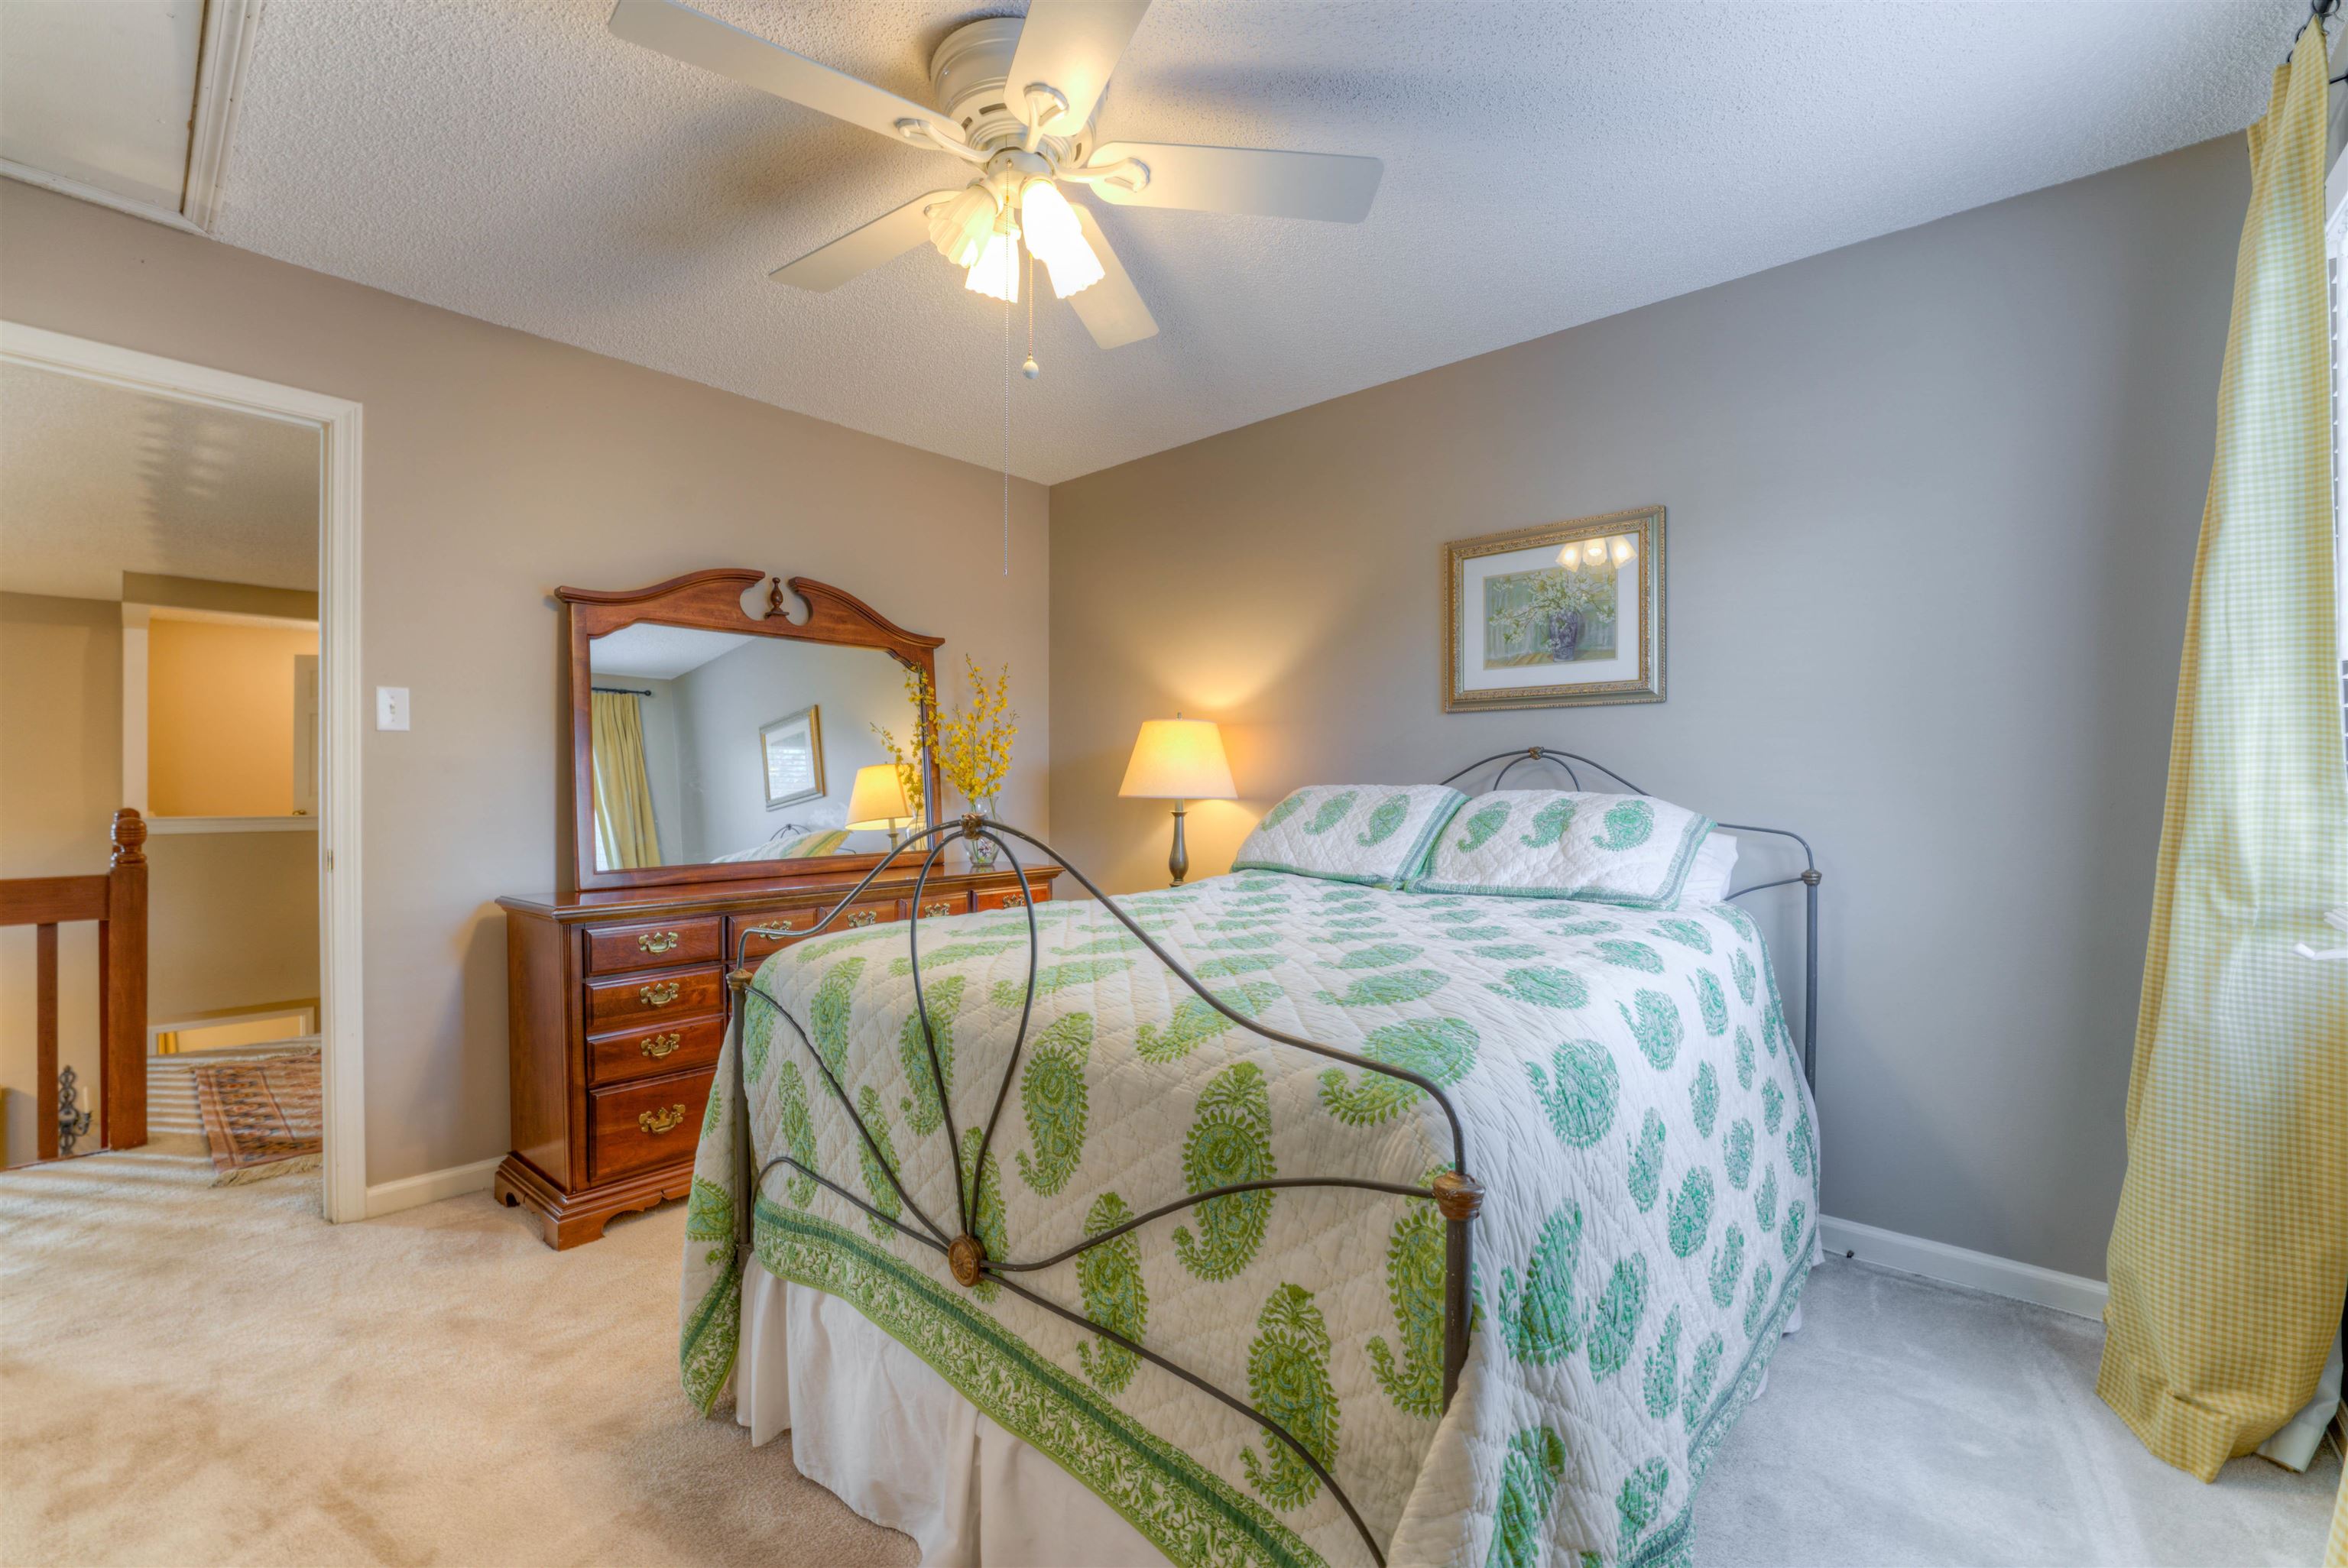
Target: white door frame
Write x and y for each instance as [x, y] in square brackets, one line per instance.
[341, 973]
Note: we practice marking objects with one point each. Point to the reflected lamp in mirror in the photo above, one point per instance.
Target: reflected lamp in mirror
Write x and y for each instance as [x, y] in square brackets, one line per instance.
[877, 804]
[1180, 759]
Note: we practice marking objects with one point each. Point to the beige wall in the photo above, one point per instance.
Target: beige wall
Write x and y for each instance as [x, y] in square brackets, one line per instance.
[1933, 505]
[499, 466]
[233, 917]
[220, 717]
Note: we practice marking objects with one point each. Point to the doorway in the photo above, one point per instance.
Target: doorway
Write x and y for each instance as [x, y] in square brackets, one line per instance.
[227, 555]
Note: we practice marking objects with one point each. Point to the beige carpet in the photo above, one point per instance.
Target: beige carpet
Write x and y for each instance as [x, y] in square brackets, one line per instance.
[194, 1375]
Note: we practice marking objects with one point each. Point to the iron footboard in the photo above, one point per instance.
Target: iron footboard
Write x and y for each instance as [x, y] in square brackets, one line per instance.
[1456, 1195]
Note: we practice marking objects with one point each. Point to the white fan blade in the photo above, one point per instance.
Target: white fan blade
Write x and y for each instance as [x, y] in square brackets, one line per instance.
[1071, 47]
[683, 34]
[1325, 185]
[1111, 309]
[884, 239]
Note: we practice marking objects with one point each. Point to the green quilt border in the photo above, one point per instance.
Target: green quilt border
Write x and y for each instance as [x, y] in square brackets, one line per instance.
[1673, 1546]
[1179, 1506]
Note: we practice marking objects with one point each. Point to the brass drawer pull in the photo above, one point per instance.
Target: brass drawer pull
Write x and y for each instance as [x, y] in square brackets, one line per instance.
[659, 1122]
[779, 929]
[658, 941]
[659, 1045]
[863, 918]
[661, 995]
[944, 906]
[1015, 900]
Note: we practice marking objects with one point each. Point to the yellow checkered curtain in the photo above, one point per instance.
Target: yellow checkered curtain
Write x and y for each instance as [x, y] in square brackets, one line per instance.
[625, 837]
[2230, 1253]
[2336, 1555]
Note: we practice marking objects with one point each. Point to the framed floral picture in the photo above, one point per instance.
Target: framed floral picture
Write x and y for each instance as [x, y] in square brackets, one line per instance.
[1556, 616]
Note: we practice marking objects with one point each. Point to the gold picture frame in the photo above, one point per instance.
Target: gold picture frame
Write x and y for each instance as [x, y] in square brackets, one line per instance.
[790, 752]
[1514, 605]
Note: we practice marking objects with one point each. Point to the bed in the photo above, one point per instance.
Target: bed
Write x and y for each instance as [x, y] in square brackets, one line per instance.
[1290, 1220]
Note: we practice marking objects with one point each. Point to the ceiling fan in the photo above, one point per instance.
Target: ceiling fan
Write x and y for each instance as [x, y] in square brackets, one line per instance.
[1017, 96]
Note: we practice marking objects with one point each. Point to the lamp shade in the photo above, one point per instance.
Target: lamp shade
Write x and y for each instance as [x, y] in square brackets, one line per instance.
[1179, 759]
[878, 800]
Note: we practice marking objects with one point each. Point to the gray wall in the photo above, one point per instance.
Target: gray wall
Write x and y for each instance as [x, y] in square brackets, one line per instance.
[1933, 507]
[723, 705]
[498, 465]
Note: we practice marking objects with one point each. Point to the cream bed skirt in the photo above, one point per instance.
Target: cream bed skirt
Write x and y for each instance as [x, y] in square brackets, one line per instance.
[874, 1425]
[871, 1424]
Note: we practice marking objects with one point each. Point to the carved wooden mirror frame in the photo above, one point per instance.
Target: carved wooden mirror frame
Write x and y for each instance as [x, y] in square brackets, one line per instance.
[712, 601]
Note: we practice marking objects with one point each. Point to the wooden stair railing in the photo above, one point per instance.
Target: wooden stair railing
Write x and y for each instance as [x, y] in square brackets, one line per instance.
[116, 900]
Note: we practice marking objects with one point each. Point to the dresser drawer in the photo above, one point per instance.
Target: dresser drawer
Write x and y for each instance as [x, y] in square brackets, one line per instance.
[653, 1050]
[1012, 899]
[772, 929]
[650, 998]
[660, 945]
[641, 1125]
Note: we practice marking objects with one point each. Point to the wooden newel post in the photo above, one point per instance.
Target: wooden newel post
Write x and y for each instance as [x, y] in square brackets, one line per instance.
[122, 989]
[1459, 1199]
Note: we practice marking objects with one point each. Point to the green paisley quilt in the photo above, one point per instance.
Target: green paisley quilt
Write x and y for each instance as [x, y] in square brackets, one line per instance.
[1632, 1106]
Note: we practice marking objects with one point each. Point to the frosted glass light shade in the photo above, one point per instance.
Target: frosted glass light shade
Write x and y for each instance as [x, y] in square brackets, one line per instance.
[878, 800]
[961, 227]
[1056, 239]
[1179, 759]
[995, 273]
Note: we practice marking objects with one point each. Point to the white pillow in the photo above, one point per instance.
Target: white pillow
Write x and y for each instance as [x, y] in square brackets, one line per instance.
[1715, 861]
[1375, 834]
[1626, 849]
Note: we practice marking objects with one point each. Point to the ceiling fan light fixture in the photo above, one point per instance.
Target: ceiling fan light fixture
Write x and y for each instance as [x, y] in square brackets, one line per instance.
[1056, 239]
[960, 229]
[995, 273]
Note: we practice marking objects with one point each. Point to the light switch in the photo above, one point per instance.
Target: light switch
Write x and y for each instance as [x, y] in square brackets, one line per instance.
[391, 707]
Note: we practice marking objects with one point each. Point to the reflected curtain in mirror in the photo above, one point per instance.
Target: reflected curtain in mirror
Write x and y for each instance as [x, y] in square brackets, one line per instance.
[624, 834]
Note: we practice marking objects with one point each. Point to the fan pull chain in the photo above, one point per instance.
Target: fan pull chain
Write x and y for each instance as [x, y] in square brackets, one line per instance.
[1031, 370]
[1006, 437]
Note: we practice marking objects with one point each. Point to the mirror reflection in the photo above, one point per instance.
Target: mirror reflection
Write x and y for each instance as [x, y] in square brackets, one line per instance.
[714, 746]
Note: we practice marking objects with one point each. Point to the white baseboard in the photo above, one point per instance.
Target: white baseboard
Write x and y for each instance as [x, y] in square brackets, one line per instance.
[2070, 1293]
[411, 1192]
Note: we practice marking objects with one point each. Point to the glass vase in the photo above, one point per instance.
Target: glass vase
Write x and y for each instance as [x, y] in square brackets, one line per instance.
[983, 853]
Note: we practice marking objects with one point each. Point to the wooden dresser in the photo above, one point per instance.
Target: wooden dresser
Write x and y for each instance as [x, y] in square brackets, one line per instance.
[616, 983]
[618, 1005]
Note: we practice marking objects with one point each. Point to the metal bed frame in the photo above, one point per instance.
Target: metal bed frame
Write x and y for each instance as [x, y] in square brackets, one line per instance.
[1456, 1195]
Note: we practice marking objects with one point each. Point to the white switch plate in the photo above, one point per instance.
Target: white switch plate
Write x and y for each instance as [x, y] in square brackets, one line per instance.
[391, 707]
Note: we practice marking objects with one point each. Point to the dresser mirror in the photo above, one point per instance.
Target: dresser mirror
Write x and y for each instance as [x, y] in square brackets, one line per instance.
[711, 743]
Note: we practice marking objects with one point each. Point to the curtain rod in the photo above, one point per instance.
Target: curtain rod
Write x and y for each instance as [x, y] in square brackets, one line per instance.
[619, 691]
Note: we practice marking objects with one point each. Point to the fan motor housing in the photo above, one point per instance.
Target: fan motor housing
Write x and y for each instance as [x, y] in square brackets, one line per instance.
[970, 80]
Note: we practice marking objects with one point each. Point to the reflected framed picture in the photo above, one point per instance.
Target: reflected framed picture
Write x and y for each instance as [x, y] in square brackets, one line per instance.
[1562, 616]
[792, 748]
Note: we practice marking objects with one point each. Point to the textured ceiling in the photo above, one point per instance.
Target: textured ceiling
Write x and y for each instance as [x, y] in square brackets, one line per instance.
[652, 652]
[98, 480]
[1547, 164]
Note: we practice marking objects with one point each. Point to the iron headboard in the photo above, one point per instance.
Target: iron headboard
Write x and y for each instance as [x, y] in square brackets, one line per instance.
[1810, 876]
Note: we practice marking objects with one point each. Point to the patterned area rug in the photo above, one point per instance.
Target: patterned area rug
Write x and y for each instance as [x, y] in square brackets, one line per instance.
[261, 1118]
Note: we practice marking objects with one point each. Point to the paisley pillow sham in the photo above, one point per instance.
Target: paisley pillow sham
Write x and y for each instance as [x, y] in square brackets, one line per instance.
[1372, 833]
[1626, 849]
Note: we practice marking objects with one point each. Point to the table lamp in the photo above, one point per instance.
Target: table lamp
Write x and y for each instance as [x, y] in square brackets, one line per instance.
[878, 802]
[1179, 759]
